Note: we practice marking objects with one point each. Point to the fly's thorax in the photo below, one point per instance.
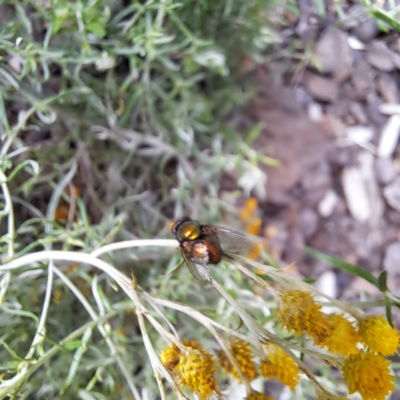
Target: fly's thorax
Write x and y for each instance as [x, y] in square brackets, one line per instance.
[188, 230]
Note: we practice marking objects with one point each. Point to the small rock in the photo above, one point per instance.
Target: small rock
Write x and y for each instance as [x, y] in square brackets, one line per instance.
[389, 136]
[389, 109]
[359, 55]
[377, 206]
[360, 134]
[392, 194]
[387, 88]
[334, 54]
[350, 120]
[363, 80]
[391, 259]
[373, 113]
[342, 156]
[308, 222]
[356, 195]
[322, 89]
[333, 125]
[396, 59]
[367, 30]
[315, 182]
[315, 111]
[357, 111]
[385, 170]
[393, 217]
[395, 46]
[380, 57]
[396, 163]
[355, 44]
[327, 284]
[301, 95]
[339, 109]
[328, 203]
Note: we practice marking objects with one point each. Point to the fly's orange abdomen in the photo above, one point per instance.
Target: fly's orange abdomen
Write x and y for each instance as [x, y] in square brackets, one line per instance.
[214, 252]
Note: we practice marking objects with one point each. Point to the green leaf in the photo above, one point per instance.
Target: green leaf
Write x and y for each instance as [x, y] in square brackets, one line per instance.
[343, 265]
[9, 366]
[21, 313]
[388, 307]
[264, 276]
[57, 25]
[384, 16]
[271, 260]
[11, 352]
[3, 115]
[73, 369]
[382, 281]
[271, 162]
[72, 345]
[98, 29]
[253, 134]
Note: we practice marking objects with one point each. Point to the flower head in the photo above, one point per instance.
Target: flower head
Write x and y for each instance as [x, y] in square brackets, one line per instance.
[255, 251]
[194, 369]
[249, 209]
[279, 366]
[368, 374]
[170, 357]
[253, 223]
[378, 335]
[254, 226]
[254, 395]
[344, 337]
[241, 351]
[297, 311]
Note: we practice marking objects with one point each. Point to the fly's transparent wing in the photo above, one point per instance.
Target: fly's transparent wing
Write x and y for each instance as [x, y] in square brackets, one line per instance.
[232, 241]
[198, 269]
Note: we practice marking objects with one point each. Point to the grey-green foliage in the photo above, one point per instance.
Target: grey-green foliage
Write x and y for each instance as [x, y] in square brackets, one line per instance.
[165, 69]
[140, 90]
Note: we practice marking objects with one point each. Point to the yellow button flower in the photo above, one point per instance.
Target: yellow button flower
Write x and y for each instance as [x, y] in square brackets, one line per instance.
[254, 395]
[254, 226]
[193, 369]
[368, 374]
[378, 335]
[170, 357]
[279, 366]
[255, 252]
[249, 209]
[243, 355]
[297, 311]
[344, 337]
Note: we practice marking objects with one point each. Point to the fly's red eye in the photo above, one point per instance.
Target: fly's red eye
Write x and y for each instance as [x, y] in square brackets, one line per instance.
[178, 222]
[173, 228]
